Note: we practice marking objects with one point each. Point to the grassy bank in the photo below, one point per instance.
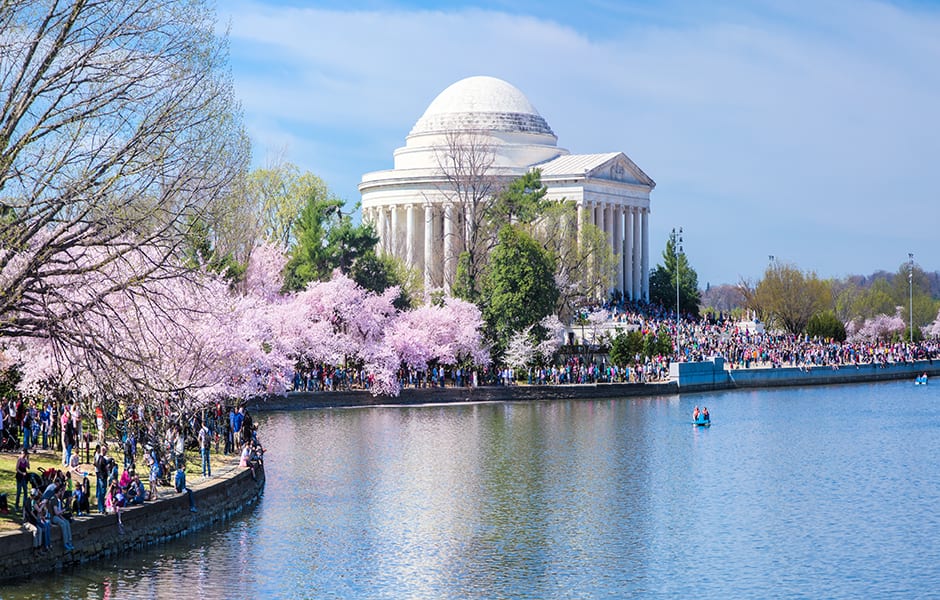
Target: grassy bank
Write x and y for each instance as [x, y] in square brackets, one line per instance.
[48, 459]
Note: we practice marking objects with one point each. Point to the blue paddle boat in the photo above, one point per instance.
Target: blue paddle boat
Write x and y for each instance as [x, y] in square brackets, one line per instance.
[701, 418]
[921, 379]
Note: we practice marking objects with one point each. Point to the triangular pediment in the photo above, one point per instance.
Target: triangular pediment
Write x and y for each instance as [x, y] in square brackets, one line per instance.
[621, 169]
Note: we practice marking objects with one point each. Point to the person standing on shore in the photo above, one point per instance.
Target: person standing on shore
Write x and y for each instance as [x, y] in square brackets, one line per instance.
[237, 422]
[76, 412]
[99, 422]
[153, 462]
[22, 480]
[101, 475]
[45, 420]
[205, 442]
[65, 424]
[230, 432]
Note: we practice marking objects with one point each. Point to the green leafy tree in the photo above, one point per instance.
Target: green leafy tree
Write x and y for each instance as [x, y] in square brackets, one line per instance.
[519, 285]
[658, 344]
[879, 299]
[325, 240]
[200, 252]
[277, 196]
[789, 298]
[377, 273]
[625, 347]
[826, 325]
[519, 203]
[663, 280]
[465, 285]
[523, 201]
[664, 342]
[585, 264]
[917, 283]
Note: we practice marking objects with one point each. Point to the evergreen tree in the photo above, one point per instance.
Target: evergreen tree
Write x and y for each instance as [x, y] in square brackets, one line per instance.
[663, 281]
[378, 273]
[826, 325]
[325, 240]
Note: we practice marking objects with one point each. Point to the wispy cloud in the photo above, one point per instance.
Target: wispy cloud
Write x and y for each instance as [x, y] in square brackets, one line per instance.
[807, 131]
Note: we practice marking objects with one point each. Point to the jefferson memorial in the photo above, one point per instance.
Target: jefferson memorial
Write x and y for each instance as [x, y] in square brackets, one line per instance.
[418, 216]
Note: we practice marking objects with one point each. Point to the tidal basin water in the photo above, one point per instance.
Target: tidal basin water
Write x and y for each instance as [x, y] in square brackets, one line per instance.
[826, 492]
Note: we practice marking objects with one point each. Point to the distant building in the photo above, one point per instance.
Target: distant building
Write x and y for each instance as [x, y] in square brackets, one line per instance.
[419, 222]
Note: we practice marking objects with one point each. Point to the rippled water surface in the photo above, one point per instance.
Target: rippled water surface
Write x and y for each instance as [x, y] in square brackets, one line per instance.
[819, 492]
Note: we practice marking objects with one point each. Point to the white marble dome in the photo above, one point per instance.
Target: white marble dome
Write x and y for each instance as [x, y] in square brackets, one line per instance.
[484, 127]
[493, 111]
[481, 104]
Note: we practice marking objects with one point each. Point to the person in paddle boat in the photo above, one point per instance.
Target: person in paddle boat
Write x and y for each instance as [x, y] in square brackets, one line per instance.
[696, 414]
[705, 416]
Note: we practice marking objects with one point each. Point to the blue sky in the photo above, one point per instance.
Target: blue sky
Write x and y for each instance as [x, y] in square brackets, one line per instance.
[805, 130]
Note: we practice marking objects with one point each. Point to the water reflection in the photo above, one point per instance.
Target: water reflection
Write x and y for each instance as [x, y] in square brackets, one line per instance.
[825, 492]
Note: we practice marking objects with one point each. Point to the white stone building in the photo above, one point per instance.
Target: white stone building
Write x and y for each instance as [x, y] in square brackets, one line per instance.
[418, 220]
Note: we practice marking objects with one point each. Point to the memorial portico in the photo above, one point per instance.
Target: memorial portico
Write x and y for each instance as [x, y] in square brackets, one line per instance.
[420, 221]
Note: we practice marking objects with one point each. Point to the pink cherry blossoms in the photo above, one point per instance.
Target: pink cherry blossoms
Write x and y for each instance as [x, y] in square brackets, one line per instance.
[878, 328]
[188, 337]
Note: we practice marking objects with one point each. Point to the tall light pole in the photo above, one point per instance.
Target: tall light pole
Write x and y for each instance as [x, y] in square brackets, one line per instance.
[910, 284]
[677, 251]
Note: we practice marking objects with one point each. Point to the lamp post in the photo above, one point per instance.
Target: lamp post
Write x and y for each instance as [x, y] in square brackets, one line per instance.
[910, 284]
[677, 251]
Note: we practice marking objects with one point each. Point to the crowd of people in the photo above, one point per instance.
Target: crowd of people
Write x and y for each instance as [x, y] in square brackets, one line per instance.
[694, 340]
[55, 496]
[743, 346]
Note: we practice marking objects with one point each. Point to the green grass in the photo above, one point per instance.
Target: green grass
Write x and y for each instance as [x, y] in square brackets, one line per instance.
[53, 459]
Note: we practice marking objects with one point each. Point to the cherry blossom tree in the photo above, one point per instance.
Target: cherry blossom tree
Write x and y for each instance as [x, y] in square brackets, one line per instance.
[933, 330]
[519, 351]
[878, 328]
[447, 334]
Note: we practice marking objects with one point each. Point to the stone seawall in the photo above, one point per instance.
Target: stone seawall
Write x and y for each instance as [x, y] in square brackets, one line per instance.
[97, 536]
[712, 375]
[686, 378]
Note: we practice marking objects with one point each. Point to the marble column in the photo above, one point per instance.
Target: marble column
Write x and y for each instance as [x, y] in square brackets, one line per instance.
[580, 214]
[609, 231]
[637, 251]
[646, 254]
[393, 239]
[627, 260]
[618, 246]
[428, 247]
[447, 279]
[381, 228]
[411, 258]
[600, 217]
